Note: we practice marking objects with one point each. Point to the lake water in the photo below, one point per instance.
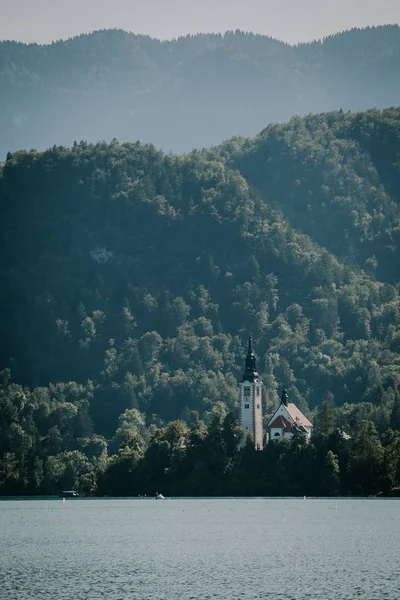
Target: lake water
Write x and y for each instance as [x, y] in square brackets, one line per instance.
[245, 549]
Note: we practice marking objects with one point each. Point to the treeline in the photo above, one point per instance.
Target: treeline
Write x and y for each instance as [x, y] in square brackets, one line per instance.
[49, 446]
[133, 278]
[191, 92]
[195, 460]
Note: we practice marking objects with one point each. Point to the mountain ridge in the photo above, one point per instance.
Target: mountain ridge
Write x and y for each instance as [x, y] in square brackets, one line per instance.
[318, 40]
[191, 92]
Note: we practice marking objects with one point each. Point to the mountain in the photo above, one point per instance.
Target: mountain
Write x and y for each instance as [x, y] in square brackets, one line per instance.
[190, 92]
[133, 278]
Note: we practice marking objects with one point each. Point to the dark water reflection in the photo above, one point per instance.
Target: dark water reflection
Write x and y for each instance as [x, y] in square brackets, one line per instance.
[200, 549]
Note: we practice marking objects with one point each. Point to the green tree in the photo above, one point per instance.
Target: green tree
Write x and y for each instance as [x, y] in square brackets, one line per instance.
[326, 416]
[366, 459]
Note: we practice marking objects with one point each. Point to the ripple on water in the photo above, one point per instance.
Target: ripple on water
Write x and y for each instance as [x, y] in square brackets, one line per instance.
[199, 549]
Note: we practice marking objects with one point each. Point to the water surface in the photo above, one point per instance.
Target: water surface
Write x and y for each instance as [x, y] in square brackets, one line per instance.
[232, 549]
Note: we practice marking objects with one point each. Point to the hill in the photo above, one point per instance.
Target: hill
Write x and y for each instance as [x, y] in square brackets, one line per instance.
[335, 176]
[190, 92]
[133, 278]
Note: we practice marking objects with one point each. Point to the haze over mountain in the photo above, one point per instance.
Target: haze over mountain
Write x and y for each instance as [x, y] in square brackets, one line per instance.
[190, 92]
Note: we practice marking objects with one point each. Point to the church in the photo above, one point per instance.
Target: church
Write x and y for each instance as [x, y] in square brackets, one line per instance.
[282, 423]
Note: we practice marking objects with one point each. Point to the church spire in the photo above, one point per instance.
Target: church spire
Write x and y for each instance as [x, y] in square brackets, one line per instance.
[284, 397]
[250, 349]
[250, 373]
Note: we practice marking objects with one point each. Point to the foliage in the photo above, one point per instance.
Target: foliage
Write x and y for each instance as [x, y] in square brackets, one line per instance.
[133, 278]
[335, 176]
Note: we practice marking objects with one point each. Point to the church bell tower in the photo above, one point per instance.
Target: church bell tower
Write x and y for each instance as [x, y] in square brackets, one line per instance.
[250, 400]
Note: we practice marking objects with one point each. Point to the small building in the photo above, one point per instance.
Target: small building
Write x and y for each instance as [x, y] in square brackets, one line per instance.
[251, 400]
[286, 417]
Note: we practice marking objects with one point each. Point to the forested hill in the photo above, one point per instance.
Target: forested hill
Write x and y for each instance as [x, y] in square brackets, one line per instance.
[336, 177]
[190, 92]
[133, 278]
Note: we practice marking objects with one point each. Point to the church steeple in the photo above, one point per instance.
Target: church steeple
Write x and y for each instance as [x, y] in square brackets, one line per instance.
[284, 397]
[250, 373]
[250, 400]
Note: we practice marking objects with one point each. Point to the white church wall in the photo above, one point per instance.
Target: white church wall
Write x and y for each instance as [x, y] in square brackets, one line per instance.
[309, 430]
[251, 411]
[247, 412]
[258, 420]
[274, 431]
[281, 411]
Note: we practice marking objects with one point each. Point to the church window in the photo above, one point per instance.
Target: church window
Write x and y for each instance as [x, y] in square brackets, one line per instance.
[258, 406]
[247, 405]
[246, 391]
[277, 435]
[258, 391]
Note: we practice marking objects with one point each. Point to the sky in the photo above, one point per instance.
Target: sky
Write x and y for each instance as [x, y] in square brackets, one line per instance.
[293, 21]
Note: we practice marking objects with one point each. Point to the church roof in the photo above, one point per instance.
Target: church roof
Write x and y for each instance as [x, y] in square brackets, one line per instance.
[281, 423]
[297, 415]
[294, 412]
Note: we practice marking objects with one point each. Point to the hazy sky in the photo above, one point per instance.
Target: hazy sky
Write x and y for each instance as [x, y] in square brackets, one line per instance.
[289, 20]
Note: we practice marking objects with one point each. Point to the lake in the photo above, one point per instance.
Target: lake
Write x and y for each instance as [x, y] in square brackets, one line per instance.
[181, 549]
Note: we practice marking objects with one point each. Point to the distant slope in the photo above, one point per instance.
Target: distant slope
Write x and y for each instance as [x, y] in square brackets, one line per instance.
[191, 92]
[336, 177]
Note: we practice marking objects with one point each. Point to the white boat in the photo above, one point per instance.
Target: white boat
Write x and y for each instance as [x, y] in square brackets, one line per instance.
[159, 496]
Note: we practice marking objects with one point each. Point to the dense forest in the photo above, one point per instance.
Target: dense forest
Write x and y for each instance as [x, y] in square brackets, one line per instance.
[133, 278]
[336, 177]
[186, 93]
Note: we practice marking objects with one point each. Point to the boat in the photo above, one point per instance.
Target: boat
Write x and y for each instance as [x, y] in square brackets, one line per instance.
[69, 494]
[159, 496]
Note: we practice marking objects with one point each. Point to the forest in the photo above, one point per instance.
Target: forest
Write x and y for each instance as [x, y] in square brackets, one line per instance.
[186, 93]
[133, 278]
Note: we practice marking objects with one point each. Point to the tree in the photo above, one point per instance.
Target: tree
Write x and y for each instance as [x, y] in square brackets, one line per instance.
[331, 475]
[366, 459]
[395, 416]
[232, 434]
[326, 415]
[391, 461]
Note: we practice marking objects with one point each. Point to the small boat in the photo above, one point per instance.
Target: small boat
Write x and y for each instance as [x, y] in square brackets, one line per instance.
[69, 494]
[159, 496]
